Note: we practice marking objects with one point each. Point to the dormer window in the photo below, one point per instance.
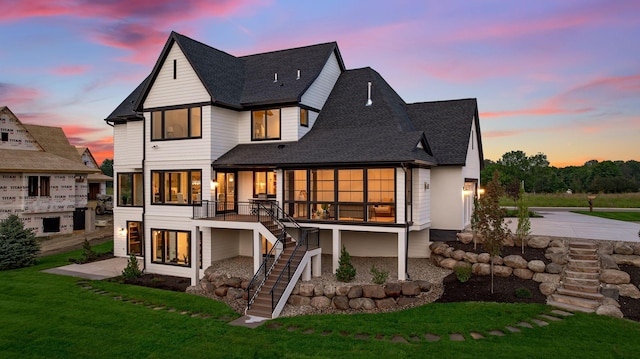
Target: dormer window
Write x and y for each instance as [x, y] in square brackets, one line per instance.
[304, 117]
[265, 125]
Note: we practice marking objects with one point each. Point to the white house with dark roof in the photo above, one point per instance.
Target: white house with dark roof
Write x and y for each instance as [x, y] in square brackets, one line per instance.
[41, 177]
[284, 156]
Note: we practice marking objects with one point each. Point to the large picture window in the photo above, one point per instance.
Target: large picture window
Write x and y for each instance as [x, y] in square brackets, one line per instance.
[171, 247]
[357, 194]
[265, 124]
[176, 124]
[176, 187]
[130, 190]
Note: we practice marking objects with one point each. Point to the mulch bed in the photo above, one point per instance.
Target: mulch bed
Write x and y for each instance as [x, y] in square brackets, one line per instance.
[165, 282]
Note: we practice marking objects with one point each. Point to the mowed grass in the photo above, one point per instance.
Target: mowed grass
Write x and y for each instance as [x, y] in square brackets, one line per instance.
[613, 200]
[51, 316]
[620, 216]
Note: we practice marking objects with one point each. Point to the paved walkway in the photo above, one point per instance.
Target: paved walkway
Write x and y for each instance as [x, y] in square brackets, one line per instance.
[99, 270]
[567, 224]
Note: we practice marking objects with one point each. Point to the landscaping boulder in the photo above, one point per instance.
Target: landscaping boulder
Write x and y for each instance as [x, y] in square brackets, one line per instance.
[629, 290]
[448, 252]
[410, 289]
[557, 243]
[329, 290]
[547, 288]
[559, 258]
[320, 302]
[296, 289]
[515, 261]
[373, 291]
[221, 291]
[610, 291]
[465, 237]
[539, 242]
[497, 260]
[481, 269]
[307, 289]
[502, 271]
[207, 286]
[424, 285]
[508, 241]
[386, 303]
[436, 259]
[608, 262]
[610, 311]
[402, 301]
[523, 273]
[484, 258]
[234, 293]
[318, 291]
[553, 250]
[393, 289]
[362, 303]
[245, 284]
[355, 292]
[233, 282]
[636, 248]
[622, 248]
[462, 264]
[458, 254]
[554, 268]
[448, 263]
[471, 257]
[340, 302]
[298, 300]
[614, 276]
[438, 247]
[546, 277]
[605, 248]
[342, 290]
[536, 265]
[626, 259]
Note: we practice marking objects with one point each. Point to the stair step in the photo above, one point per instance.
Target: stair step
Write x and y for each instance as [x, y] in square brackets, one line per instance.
[569, 307]
[585, 263]
[583, 244]
[583, 282]
[259, 313]
[575, 301]
[582, 275]
[589, 257]
[579, 294]
[583, 250]
[578, 268]
[582, 288]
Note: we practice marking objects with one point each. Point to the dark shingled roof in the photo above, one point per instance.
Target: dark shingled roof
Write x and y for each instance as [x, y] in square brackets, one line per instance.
[447, 125]
[126, 110]
[346, 131]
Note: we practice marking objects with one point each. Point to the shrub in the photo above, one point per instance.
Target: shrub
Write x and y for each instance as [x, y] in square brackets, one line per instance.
[345, 272]
[523, 293]
[88, 254]
[463, 273]
[379, 275]
[18, 245]
[132, 270]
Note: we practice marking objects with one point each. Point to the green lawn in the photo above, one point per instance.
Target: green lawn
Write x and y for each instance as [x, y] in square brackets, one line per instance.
[620, 216]
[617, 200]
[51, 316]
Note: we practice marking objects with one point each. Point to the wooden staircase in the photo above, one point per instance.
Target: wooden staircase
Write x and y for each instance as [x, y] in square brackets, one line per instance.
[580, 288]
[262, 305]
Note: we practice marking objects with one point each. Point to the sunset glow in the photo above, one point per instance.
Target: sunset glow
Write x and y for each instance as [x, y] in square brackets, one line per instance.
[561, 78]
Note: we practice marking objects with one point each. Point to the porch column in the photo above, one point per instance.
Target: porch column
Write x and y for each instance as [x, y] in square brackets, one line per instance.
[402, 251]
[306, 272]
[195, 258]
[316, 262]
[256, 250]
[337, 247]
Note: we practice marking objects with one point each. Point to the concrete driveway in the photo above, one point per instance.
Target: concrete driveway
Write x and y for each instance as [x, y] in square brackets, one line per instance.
[567, 224]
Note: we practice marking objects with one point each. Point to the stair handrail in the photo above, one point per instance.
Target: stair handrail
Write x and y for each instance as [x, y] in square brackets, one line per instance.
[263, 266]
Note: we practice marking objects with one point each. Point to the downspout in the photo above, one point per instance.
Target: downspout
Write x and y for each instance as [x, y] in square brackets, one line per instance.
[144, 204]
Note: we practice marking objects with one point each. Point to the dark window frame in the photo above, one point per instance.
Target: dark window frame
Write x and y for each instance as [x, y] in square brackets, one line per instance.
[39, 186]
[266, 176]
[306, 117]
[141, 238]
[164, 247]
[190, 121]
[158, 198]
[132, 190]
[266, 125]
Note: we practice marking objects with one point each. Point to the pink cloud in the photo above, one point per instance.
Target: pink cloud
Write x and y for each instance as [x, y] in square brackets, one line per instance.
[70, 70]
[100, 149]
[539, 111]
[14, 95]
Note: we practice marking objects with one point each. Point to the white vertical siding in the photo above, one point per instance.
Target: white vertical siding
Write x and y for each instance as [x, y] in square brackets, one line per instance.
[371, 244]
[289, 123]
[120, 218]
[224, 127]
[320, 89]
[419, 244]
[245, 243]
[446, 198]
[128, 140]
[422, 196]
[302, 130]
[186, 88]
[244, 186]
[162, 222]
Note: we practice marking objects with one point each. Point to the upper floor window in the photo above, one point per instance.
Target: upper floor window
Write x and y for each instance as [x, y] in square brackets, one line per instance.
[304, 117]
[130, 189]
[176, 187]
[265, 124]
[39, 186]
[176, 124]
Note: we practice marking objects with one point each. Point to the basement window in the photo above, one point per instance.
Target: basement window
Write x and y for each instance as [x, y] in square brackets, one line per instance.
[5, 136]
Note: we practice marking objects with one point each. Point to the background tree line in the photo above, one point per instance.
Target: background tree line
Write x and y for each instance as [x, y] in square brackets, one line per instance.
[539, 177]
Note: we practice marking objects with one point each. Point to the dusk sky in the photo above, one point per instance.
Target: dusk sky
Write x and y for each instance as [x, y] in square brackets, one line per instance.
[557, 77]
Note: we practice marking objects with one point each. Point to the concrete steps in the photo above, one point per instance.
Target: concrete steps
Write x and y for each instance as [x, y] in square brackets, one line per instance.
[580, 289]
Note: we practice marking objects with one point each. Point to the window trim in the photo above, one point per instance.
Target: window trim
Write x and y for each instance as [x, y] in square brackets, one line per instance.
[140, 233]
[162, 124]
[38, 186]
[133, 189]
[266, 138]
[164, 261]
[160, 194]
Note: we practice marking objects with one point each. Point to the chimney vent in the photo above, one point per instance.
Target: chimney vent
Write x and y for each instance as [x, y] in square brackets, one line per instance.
[275, 77]
[298, 77]
[369, 102]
